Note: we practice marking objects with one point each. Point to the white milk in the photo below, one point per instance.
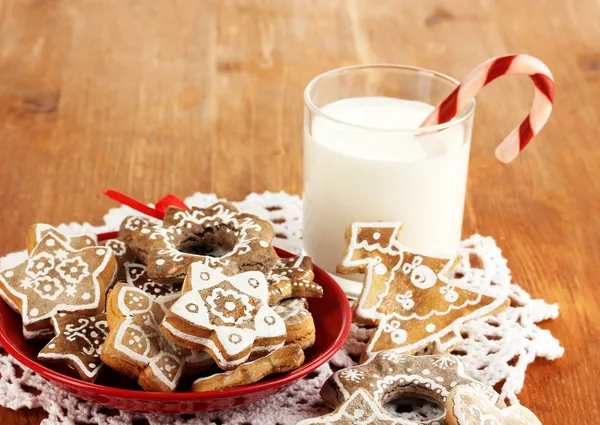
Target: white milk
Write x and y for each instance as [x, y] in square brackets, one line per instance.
[354, 174]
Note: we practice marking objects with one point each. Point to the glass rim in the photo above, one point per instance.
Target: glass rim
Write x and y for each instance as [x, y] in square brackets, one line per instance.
[434, 74]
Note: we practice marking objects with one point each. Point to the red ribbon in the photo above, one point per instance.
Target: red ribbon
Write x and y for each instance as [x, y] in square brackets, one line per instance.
[157, 212]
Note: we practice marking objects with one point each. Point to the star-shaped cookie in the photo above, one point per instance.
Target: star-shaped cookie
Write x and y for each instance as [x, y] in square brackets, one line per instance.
[36, 232]
[135, 346]
[292, 278]
[123, 254]
[135, 274]
[226, 316]
[359, 409]
[389, 375]
[57, 278]
[408, 295]
[77, 343]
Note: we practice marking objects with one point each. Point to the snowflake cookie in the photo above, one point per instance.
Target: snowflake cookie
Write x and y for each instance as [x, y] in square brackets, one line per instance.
[466, 406]
[77, 343]
[299, 323]
[282, 360]
[292, 278]
[359, 409]
[390, 376]
[408, 295]
[36, 232]
[228, 317]
[57, 278]
[219, 236]
[135, 346]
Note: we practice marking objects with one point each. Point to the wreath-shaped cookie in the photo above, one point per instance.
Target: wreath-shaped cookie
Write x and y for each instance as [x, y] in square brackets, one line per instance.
[219, 236]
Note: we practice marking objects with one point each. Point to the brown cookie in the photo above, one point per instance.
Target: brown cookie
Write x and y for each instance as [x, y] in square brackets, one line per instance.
[391, 376]
[292, 278]
[228, 317]
[282, 360]
[135, 274]
[36, 232]
[123, 254]
[359, 409]
[467, 406]
[299, 323]
[131, 225]
[77, 343]
[218, 236]
[57, 278]
[408, 295]
[136, 348]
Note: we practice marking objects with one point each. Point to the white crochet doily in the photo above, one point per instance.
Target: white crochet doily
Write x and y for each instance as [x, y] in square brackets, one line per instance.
[496, 349]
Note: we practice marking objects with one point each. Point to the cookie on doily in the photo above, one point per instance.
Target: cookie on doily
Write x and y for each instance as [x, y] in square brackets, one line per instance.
[282, 360]
[57, 278]
[219, 236]
[299, 323]
[409, 295]
[135, 346]
[466, 406]
[226, 316]
[77, 343]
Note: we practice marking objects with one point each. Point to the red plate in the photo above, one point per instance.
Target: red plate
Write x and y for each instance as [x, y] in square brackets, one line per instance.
[332, 316]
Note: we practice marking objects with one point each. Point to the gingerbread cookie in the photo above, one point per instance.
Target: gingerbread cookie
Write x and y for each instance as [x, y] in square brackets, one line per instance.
[409, 295]
[466, 406]
[123, 254]
[299, 323]
[228, 317]
[359, 409]
[136, 348]
[219, 236]
[135, 274]
[77, 343]
[57, 278]
[292, 278]
[389, 375]
[282, 360]
[36, 232]
[131, 225]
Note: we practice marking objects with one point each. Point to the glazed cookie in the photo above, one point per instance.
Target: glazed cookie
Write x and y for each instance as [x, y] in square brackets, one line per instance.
[77, 343]
[281, 360]
[57, 278]
[135, 274]
[123, 254]
[228, 317]
[466, 406]
[359, 409]
[36, 232]
[409, 295]
[292, 278]
[299, 323]
[219, 236]
[136, 348]
[389, 375]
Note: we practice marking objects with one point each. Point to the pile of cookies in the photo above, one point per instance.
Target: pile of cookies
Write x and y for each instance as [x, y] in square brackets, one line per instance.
[202, 290]
[413, 308]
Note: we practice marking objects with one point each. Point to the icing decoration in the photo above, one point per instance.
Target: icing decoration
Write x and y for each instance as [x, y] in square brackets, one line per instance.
[36, 232]
[219, 236]
[359, 409]
[228, 317]
[292, 278]
[123, 254]
[135, 345]
[281, 360]
[78, 343]
[299, 324]
[465, 406]
[390, 376]
[135, 274]
[57, 278]
[409, 295]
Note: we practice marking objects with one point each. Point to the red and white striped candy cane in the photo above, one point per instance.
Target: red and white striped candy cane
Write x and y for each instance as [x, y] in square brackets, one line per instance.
[487, 72]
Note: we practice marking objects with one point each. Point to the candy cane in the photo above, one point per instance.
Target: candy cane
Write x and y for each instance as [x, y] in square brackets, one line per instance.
[487, 72]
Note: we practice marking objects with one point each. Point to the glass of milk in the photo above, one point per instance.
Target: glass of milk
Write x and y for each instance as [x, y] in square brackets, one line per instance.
[366, 159]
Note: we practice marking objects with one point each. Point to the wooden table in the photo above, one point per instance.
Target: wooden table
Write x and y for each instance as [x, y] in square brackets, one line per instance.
[182, 96]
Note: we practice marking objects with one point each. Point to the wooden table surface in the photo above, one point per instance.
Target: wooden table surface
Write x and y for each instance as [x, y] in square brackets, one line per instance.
[181, 96]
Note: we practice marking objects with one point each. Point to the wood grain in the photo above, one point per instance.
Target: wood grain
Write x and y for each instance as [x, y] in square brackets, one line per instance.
[186, 95]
